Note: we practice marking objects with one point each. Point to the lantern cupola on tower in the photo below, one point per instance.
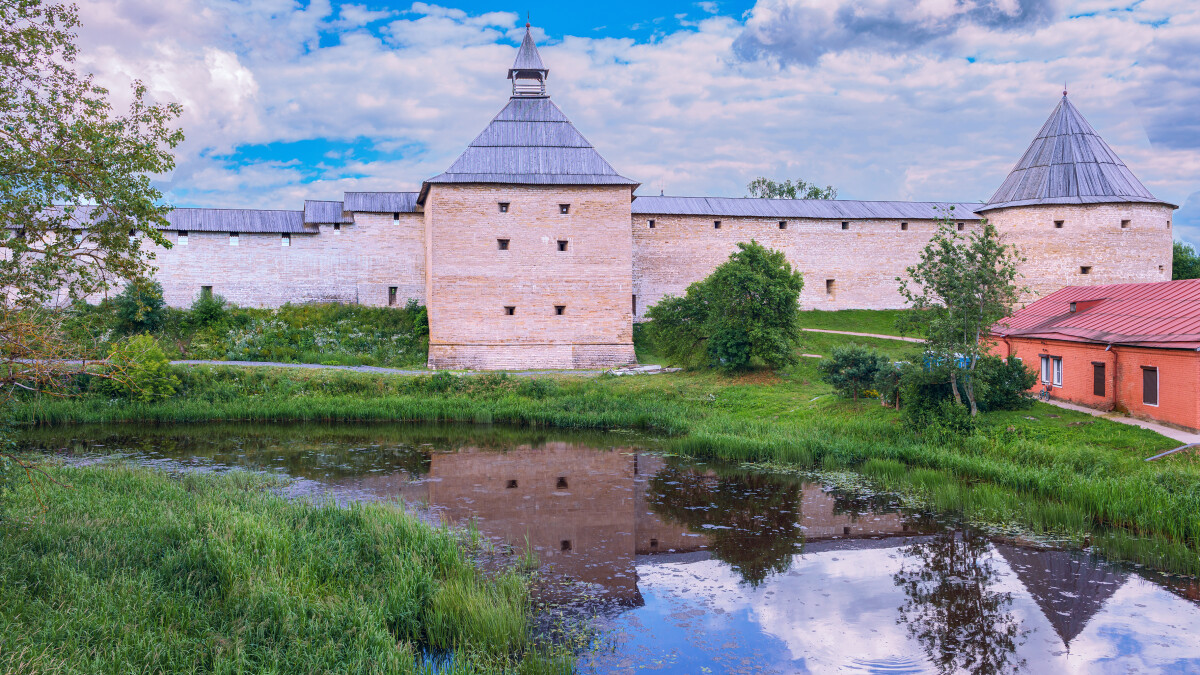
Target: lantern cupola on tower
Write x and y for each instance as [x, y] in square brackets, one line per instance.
[528, 73]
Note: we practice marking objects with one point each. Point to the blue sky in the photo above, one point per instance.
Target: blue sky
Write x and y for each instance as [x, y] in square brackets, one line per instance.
[884, 99]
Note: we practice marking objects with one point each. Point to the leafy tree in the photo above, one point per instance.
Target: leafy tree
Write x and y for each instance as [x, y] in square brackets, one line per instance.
[961, 287]
[747, 308]
[852, 369]
[140, 307]
[1185, 262]
[146, 372]
[765, 188]
[74, 185]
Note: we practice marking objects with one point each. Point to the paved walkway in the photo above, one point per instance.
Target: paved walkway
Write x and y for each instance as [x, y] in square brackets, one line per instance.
[1169, 432]
[870, 335]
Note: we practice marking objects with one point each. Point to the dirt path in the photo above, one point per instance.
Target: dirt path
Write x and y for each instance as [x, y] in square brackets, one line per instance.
[870, 335]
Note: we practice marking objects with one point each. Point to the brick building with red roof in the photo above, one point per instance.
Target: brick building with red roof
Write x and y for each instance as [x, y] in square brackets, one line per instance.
[1128, 347]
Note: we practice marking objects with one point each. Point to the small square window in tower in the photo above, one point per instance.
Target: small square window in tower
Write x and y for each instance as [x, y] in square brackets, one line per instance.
[182, 239]
[1085, 269]
[503, 207]
[650, 223]
[559, 310]
[395, 219]
[564, 209]
[565, 545]
[337, 228]
[509, 310]
[903, 227]
[562, 244]
[502, 244]
[830, 289]
[783, 224]
[1124, 224]
[845, 225]
[511, 484]
[716, 224]
[392, 292]
[962, 226]
[233, 238]
[1058, 224]
[561, 483]
[285, 239]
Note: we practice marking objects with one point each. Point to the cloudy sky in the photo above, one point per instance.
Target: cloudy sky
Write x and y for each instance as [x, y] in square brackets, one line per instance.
[884, 99]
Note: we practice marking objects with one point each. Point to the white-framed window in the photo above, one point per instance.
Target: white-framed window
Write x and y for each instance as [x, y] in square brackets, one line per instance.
[285, 239]
[337, 228]
[233, 238]
[1052, 370]
[182, 238]
[1150, 385]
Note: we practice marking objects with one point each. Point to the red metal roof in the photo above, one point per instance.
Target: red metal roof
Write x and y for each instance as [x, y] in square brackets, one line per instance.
[1164, 314]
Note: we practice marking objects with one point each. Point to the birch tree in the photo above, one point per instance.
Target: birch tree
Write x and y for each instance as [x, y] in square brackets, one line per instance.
[962, 286]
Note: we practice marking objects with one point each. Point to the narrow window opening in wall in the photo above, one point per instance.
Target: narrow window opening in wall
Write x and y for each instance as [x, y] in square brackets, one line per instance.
[903, 226]
[562, 244]
[653, 543]
[650, 223]
[392, 292]
[561, 483]
[1168, 224]
[1150, 385]
[559, 310]
[565, 545]
[395, 219]
[962, 226]
[206, 292]
[635, 305]
[1162, 269]
[1097, 378]
[1058, 224]
[846, 530]
[285, 239]
[783, 224]
[829, 289]
[845, 225]
[182, 239]
[564, 209]
[233, 238]
[1085, 269]
[503, 207]
[510, 310]
[502, 244]
[511, 484]
[716, 224]
[337, 228]
[1124, 224]
[133, 236]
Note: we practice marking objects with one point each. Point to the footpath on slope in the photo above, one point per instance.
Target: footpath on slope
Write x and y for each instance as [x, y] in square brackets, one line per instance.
[870, 335]
[628, 370]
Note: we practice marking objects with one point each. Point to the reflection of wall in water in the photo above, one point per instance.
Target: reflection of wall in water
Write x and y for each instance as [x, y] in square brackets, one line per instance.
[821, 520]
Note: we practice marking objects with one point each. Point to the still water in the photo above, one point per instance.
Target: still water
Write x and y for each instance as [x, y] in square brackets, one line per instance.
[687, 567]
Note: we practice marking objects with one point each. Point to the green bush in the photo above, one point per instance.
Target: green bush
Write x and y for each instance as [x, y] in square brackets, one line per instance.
[1003, 384]
[208, 310]
[746, 309]
[926, 398]
[852, 369]
[140, 307]
[138, 369]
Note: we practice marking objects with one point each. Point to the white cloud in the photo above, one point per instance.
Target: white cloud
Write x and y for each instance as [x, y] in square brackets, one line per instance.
[889, 117]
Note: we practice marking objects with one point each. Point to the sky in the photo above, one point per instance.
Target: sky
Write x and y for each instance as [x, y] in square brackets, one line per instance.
[926, 100]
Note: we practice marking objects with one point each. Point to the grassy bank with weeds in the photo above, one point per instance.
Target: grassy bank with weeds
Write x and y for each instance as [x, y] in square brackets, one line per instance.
[133, 570]
[1085, 476]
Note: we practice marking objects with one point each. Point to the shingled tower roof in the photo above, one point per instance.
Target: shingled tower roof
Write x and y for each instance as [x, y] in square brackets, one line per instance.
[1068, 163]
[531, 141]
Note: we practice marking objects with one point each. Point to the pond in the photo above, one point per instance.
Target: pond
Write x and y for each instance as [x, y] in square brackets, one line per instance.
[691, 567]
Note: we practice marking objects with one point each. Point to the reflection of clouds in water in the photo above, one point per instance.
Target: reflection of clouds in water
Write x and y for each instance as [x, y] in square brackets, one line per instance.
[1143, 628]
[839, 609]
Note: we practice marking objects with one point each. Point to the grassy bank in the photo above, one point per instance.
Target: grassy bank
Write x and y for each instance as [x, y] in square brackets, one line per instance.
[1047, 470]
[131, 570]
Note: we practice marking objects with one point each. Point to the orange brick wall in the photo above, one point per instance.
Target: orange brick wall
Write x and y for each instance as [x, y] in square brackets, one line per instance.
[1178, 377]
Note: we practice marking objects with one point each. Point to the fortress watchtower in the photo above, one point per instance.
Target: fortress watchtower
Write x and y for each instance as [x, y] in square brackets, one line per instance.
[1077, 214]
[528, 249]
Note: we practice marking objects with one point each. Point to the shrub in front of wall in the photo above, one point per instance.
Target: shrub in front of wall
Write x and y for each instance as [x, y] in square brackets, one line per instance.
[852, 369]
[140, 307]
[1003, 384]
[208, 310]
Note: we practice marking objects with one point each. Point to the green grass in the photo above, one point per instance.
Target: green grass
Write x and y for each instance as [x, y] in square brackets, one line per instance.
[823, 344]
[130, 570]
[878, 321]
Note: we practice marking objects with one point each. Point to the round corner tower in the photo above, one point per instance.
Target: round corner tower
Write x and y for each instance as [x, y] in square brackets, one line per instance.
[1077, 214]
